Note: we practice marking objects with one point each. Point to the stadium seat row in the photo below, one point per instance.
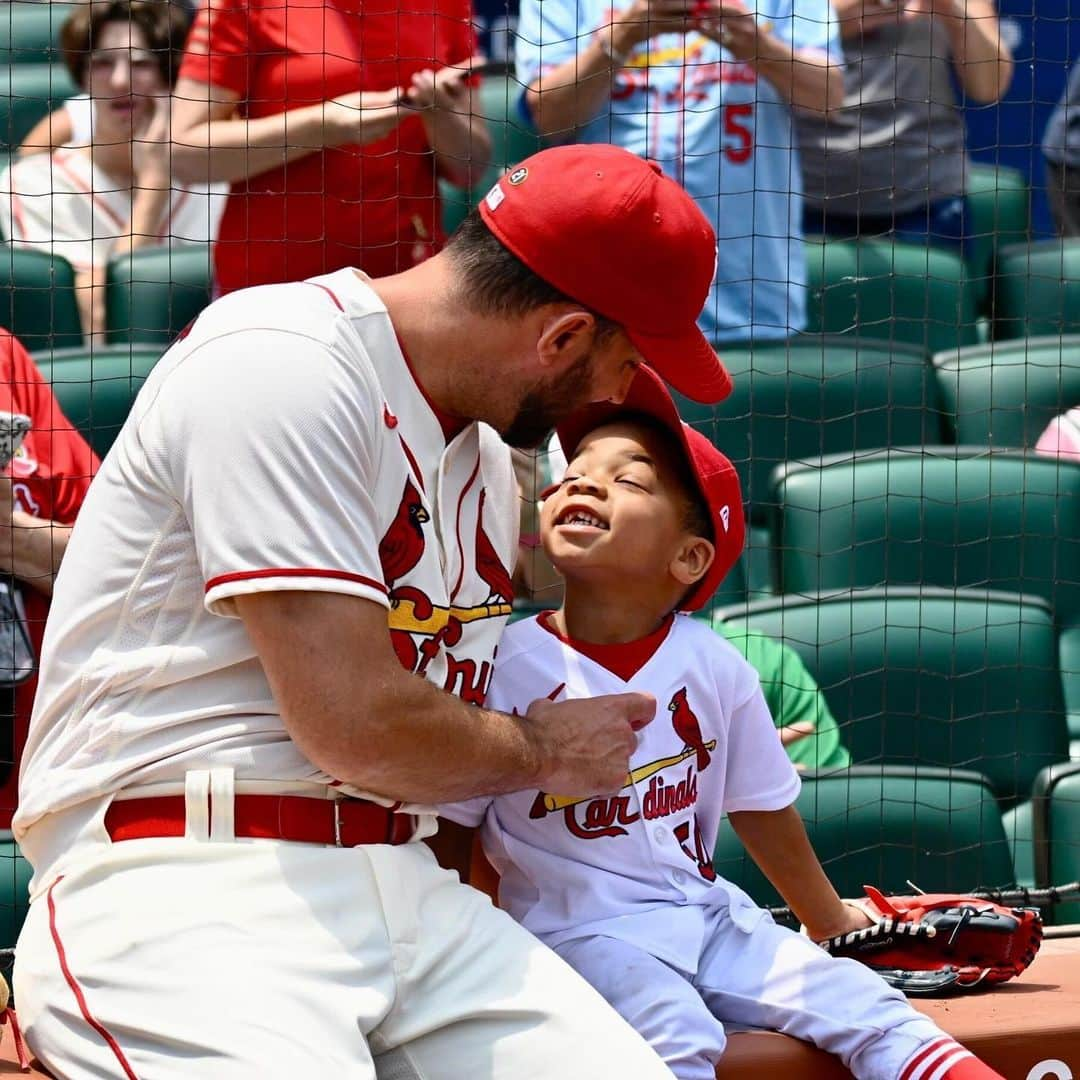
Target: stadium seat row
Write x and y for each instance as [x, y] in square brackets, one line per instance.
[939, 830]
[151, 295]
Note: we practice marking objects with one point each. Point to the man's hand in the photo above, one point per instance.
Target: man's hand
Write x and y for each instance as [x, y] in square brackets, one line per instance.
[648, 18]
[858, 17]
[362, 116]
[446, 89]
[731, 24]
[584, 746]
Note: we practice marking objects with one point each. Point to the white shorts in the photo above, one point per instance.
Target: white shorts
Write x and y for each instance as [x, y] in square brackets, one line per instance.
[176, 959]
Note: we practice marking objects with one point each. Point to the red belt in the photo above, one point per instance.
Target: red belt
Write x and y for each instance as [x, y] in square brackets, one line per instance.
[341, 822]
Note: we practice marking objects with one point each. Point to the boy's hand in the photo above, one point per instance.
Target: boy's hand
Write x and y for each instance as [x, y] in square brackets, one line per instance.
[844, 920]
[584, 746]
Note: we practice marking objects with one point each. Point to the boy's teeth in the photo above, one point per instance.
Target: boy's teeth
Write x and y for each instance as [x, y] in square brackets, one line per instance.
[579, 518]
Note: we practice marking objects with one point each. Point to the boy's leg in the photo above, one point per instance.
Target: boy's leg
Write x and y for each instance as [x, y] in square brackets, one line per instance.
[772, 977]
[655, 1000]
[479, 996]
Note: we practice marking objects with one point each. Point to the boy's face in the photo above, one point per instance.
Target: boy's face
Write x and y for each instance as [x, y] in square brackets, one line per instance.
[619, 511]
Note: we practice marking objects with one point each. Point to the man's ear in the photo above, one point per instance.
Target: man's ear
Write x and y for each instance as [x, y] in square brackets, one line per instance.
[692, 560]
[565, 337]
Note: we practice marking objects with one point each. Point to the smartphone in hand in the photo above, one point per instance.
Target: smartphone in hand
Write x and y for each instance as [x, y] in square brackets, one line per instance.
[13, 429]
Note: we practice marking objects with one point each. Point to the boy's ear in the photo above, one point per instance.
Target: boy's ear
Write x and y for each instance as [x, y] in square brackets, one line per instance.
[692, 560]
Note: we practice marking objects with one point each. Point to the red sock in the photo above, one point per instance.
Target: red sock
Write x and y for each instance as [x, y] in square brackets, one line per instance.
[946, 1059]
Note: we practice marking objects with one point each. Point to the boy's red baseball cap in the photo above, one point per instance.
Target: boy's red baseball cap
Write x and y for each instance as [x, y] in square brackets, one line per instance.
[611, 231]
[716, 476]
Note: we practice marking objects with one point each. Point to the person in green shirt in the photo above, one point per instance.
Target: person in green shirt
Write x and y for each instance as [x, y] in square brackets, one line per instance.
[808, 730]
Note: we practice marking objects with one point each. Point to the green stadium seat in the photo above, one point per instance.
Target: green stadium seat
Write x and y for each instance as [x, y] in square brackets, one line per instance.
[96, 386]
[812, 395]
[1057, 833]
[949, 678]
[999, 213]
[1004, 393]
[889, 289]
[15, 874]
[38, 298]
[948, 516]
[886, 826]
[29, 92]
[30, 32]
[152, 294]
[512, 139]
[1037, 289]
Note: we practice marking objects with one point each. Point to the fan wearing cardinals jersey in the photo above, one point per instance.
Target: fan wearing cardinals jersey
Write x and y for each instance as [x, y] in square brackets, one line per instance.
[647, 522]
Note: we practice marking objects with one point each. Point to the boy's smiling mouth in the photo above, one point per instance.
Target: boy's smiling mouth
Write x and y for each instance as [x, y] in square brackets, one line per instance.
[579, 516]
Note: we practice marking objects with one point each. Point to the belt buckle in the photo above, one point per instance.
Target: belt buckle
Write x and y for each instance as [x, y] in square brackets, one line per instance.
[337, 822]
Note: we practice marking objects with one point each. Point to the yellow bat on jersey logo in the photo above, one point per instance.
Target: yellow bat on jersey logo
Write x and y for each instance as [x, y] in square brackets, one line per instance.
[551, 803]
[402, 616]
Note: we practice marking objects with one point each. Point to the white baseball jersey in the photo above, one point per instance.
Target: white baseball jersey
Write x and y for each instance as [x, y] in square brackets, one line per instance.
[614, 866]
[61, 204]
[283, 443]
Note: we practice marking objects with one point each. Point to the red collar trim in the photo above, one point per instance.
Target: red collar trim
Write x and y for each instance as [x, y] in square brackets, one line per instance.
[624, 659]
[451, 425]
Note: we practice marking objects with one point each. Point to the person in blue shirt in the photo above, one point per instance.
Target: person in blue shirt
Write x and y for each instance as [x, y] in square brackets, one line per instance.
[706, 89]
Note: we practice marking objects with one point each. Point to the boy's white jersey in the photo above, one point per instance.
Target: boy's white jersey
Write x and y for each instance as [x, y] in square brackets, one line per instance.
[614, 865]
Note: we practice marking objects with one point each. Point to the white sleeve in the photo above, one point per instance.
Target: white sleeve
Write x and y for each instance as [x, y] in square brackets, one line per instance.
[759, 774]
[471, 812]
[80, 113]
[42, 210]
[268, 443]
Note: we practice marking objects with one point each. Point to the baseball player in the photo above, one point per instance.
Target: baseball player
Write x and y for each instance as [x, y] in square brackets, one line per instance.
[232, 758]
[647, 520]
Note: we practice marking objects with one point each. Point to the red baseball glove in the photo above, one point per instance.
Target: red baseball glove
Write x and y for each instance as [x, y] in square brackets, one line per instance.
[940, 943]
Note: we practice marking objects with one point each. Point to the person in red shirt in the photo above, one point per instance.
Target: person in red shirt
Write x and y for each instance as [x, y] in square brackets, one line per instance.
[41, 492]
[332, 122]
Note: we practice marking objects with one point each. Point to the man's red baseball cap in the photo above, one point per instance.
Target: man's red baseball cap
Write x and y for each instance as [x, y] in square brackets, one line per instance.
[715, 475]
[611, 231]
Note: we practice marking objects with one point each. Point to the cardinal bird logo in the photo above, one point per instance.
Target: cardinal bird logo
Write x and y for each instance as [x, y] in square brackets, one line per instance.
[400, 549]
[687, 727]
[488, 564]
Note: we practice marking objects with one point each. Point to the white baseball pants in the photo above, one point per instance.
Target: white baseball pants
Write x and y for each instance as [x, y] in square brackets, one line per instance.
[176, 959]
[770, 978]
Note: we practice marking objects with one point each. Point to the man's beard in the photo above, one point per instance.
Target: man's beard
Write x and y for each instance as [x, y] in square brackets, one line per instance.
[547, 403]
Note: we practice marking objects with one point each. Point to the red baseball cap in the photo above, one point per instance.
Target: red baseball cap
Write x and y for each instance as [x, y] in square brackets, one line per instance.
[715, 475]
[610, 230]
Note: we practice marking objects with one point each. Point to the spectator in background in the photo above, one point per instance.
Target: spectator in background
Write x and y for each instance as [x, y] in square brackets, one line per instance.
[115, 195]
[41, 491]
[893, 159]
[706, 90]
[808, 729]
[332, 123]
[1061, 148]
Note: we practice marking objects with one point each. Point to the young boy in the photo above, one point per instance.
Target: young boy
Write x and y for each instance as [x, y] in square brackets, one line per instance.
[647, 521]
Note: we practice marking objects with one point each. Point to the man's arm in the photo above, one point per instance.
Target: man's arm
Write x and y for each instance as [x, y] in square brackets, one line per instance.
[983, 61]
[777, 842]
[359, 716]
